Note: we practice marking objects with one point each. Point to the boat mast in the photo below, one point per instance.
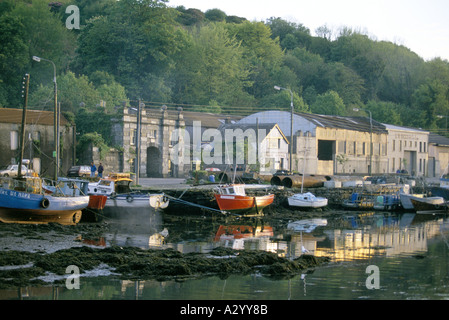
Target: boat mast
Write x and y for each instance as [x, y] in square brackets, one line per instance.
[22, 131]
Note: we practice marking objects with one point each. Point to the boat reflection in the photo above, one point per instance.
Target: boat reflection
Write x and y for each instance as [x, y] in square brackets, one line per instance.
[346, 238]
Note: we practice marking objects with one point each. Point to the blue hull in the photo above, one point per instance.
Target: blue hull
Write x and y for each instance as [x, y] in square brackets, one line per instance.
[24, 207]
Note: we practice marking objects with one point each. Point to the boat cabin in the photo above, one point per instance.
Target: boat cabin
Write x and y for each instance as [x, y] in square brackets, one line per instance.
[233, 189]
[26, 184]
[113, 184]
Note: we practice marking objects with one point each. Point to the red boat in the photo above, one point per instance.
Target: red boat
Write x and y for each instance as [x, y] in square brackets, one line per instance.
[232, 198]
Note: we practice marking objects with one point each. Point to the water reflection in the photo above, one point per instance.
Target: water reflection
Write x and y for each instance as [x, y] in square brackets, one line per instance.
[343, 238]
[398, 242]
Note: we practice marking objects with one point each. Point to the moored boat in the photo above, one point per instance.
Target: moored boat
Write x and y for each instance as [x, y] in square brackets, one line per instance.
[387, 202]
[25, 201]
[306, 200]
[233, 198]
[406, 200]
[75, 187]
[429, 204]
[359, 200]
[121, 200]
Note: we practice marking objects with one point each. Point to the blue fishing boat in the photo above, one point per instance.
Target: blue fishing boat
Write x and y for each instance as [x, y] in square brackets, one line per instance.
[24, 200]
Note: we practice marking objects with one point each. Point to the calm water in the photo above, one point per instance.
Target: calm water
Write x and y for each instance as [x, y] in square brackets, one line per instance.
[410, 252]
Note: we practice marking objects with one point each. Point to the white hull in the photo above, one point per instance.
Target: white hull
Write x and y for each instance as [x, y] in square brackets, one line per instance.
[307, 200]
[406, 200]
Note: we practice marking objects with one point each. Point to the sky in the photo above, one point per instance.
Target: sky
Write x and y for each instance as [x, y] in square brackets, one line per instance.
[422, 26]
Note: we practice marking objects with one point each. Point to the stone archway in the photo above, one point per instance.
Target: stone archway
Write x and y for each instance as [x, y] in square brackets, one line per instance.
[154, 162]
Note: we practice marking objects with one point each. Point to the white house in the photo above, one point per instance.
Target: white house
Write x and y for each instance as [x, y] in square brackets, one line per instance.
[265, 147]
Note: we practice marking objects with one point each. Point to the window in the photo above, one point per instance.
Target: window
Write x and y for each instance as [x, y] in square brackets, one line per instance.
[133, 137]
[342, 147]
[384, 149]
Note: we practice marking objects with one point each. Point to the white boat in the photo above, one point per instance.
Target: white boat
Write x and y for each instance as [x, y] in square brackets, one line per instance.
[429, 204]
[306, 200]
[122, 201]
[406, 199]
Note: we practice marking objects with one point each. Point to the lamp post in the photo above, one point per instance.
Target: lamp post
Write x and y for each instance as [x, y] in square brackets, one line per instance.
[291, 125]
[370, 138]
[55, 122]
[439, 116]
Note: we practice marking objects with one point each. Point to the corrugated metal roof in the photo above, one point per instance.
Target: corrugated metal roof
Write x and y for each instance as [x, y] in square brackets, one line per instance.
[349, 123]
[10, 115]
[309, 121]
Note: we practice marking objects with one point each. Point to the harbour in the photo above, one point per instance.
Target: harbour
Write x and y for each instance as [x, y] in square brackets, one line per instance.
[409, 249]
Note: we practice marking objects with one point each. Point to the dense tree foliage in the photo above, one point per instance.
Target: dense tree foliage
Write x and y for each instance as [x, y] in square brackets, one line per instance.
[143, 49]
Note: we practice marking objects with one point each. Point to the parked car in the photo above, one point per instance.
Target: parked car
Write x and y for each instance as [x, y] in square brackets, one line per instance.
[12, 171]
[79, 171]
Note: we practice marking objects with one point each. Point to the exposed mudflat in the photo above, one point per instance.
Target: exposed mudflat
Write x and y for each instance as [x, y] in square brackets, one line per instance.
[30, 254]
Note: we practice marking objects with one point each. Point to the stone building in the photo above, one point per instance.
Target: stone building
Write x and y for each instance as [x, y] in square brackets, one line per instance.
[407, 150]
[438, 153]
[328, 145]
[39, 140]
[149, 136]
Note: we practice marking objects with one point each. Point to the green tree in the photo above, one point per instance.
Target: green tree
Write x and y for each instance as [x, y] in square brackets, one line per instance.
[212, 69]
[329, 103]
[215, 15]
[282, 101]
[24, 32]
[385, 111]
[262, 54]
[431, 99]
[135, 42]
[13, 58]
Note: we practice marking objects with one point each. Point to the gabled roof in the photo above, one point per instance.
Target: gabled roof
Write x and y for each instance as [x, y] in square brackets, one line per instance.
[10, 115]
[268, 127]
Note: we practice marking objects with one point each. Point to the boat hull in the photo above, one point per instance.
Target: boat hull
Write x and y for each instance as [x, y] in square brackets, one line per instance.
[406, 200]
[24, 207]
[126, 205]
[430, 204]
[243, 204]
[307, 201]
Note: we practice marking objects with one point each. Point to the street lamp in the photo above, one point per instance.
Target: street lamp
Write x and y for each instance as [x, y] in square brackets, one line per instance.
[55, 123]
[291, 125]
[441, 117]
[370, 138]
